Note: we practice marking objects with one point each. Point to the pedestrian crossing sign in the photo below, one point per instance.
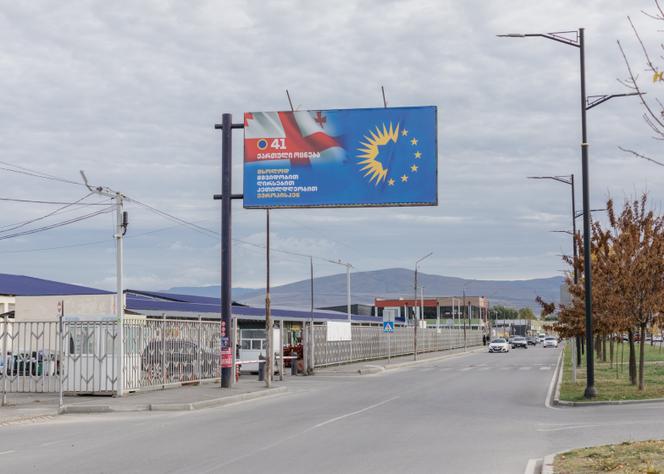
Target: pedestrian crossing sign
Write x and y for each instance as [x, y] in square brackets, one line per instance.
[388, 326]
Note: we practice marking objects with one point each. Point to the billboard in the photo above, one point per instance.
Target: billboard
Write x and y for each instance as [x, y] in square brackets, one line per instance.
[341, 158]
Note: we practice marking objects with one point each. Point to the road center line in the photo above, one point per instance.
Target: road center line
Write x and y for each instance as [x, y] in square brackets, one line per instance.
[338, 418]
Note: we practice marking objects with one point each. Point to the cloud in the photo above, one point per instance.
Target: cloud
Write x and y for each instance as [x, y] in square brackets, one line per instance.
[130, 94]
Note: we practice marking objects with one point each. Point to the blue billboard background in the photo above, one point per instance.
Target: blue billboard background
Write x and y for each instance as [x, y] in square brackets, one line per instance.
[341, 158]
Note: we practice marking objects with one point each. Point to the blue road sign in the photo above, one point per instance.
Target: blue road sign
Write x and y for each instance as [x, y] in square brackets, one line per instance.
[388, 326]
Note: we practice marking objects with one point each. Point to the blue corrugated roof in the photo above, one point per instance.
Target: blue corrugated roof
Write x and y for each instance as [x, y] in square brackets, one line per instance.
[175, 297]
[21, 285]
[170, 303]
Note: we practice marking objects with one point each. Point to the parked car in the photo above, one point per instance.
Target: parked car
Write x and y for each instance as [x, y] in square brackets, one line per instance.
[532, 340]
[519, 341]
[180, 359]
[550, 342]
[499, 345]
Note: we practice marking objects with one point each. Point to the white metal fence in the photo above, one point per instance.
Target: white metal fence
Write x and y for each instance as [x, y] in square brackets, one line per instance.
[370, 342]
[84, 356]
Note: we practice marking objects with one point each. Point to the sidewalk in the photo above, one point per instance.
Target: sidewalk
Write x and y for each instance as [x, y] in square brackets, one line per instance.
[39, 406]
[368, 367]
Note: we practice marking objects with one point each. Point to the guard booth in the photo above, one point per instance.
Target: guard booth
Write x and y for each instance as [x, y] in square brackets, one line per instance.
[253, 343]
[91, 354]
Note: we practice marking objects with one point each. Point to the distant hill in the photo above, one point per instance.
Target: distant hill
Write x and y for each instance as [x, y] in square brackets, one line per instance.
[393, 282]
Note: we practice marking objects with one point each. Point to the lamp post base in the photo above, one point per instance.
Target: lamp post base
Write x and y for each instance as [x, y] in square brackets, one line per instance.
[590, 392]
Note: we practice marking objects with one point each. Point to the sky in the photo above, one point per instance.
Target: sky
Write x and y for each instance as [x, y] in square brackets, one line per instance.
[130, 92]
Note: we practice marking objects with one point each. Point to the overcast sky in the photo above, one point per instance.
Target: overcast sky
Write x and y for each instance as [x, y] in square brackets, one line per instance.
[130, 91]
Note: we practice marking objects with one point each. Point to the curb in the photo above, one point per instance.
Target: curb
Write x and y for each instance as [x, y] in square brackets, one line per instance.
[554, 398]
[534, 466]
[566, 403]
[547, 464]
[221, 401]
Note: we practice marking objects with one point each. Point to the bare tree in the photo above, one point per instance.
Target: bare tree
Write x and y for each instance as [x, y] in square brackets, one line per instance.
[652, 106]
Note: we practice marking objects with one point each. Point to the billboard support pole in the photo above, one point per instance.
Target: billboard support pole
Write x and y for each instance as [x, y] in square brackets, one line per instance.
[269, 352]
[226, 196]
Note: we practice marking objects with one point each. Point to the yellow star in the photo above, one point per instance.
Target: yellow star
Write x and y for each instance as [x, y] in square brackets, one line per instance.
[404, 178]
[404, 132]
[418, 154]
[413, 168]
[390, 182]
[413, 141]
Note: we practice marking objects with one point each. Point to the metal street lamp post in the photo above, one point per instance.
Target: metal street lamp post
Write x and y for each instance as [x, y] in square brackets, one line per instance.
[415, 318]
[569, 180]
[586, 104]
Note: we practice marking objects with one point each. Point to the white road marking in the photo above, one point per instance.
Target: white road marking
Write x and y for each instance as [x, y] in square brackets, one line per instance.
[545, 368]
[571, 427]
[7, 452]
[50, 443]
[466, 369]
[375, 405]
[285, 439]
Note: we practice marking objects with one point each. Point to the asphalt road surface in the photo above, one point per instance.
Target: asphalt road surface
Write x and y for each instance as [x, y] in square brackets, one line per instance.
[472, 413]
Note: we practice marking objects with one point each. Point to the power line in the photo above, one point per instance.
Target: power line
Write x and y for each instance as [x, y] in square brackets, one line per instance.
[56, 203]
[35, 174]
[11, 227]
[57, 224]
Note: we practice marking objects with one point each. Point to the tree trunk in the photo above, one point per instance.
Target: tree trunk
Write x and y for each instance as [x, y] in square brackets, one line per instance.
[604, 355]
[642, 355]
[632, 357]
[611, 341]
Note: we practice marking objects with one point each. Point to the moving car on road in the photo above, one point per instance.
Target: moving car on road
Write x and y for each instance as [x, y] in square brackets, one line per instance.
[499, 345]
[532, 340]
[519, 341]
[550, 342]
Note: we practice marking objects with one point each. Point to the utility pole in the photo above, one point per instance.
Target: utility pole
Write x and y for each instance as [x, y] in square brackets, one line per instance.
[268, 317]
[120, 230]
[226, 335]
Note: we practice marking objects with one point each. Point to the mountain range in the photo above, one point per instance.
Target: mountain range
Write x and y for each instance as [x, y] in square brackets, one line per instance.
[390, 283]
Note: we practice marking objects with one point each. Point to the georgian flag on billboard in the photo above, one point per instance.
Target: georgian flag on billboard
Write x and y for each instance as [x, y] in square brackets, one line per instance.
[341, 158]
[298, 135]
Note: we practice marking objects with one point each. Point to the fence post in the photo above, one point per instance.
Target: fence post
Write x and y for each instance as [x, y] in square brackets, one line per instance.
[199, 352]
[5, 334]
[163, 350]
[61, 355]
[281, 349]
[305, 347]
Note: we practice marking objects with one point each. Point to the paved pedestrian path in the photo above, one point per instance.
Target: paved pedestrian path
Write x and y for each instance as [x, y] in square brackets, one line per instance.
[27, 407]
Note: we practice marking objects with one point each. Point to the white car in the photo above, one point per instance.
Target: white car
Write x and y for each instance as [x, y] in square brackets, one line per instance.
[550, 342]
[499, 345]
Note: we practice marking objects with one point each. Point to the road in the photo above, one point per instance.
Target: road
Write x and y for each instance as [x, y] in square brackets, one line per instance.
[472, 413]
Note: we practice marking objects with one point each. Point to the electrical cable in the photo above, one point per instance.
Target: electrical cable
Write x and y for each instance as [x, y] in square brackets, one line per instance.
[36, 174]
[12, 227]
[58, 224]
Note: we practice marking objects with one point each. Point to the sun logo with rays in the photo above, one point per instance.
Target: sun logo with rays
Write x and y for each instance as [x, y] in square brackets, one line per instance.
[375, 152]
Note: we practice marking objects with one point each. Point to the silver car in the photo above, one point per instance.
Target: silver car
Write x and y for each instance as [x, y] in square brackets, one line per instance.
[550, 342]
